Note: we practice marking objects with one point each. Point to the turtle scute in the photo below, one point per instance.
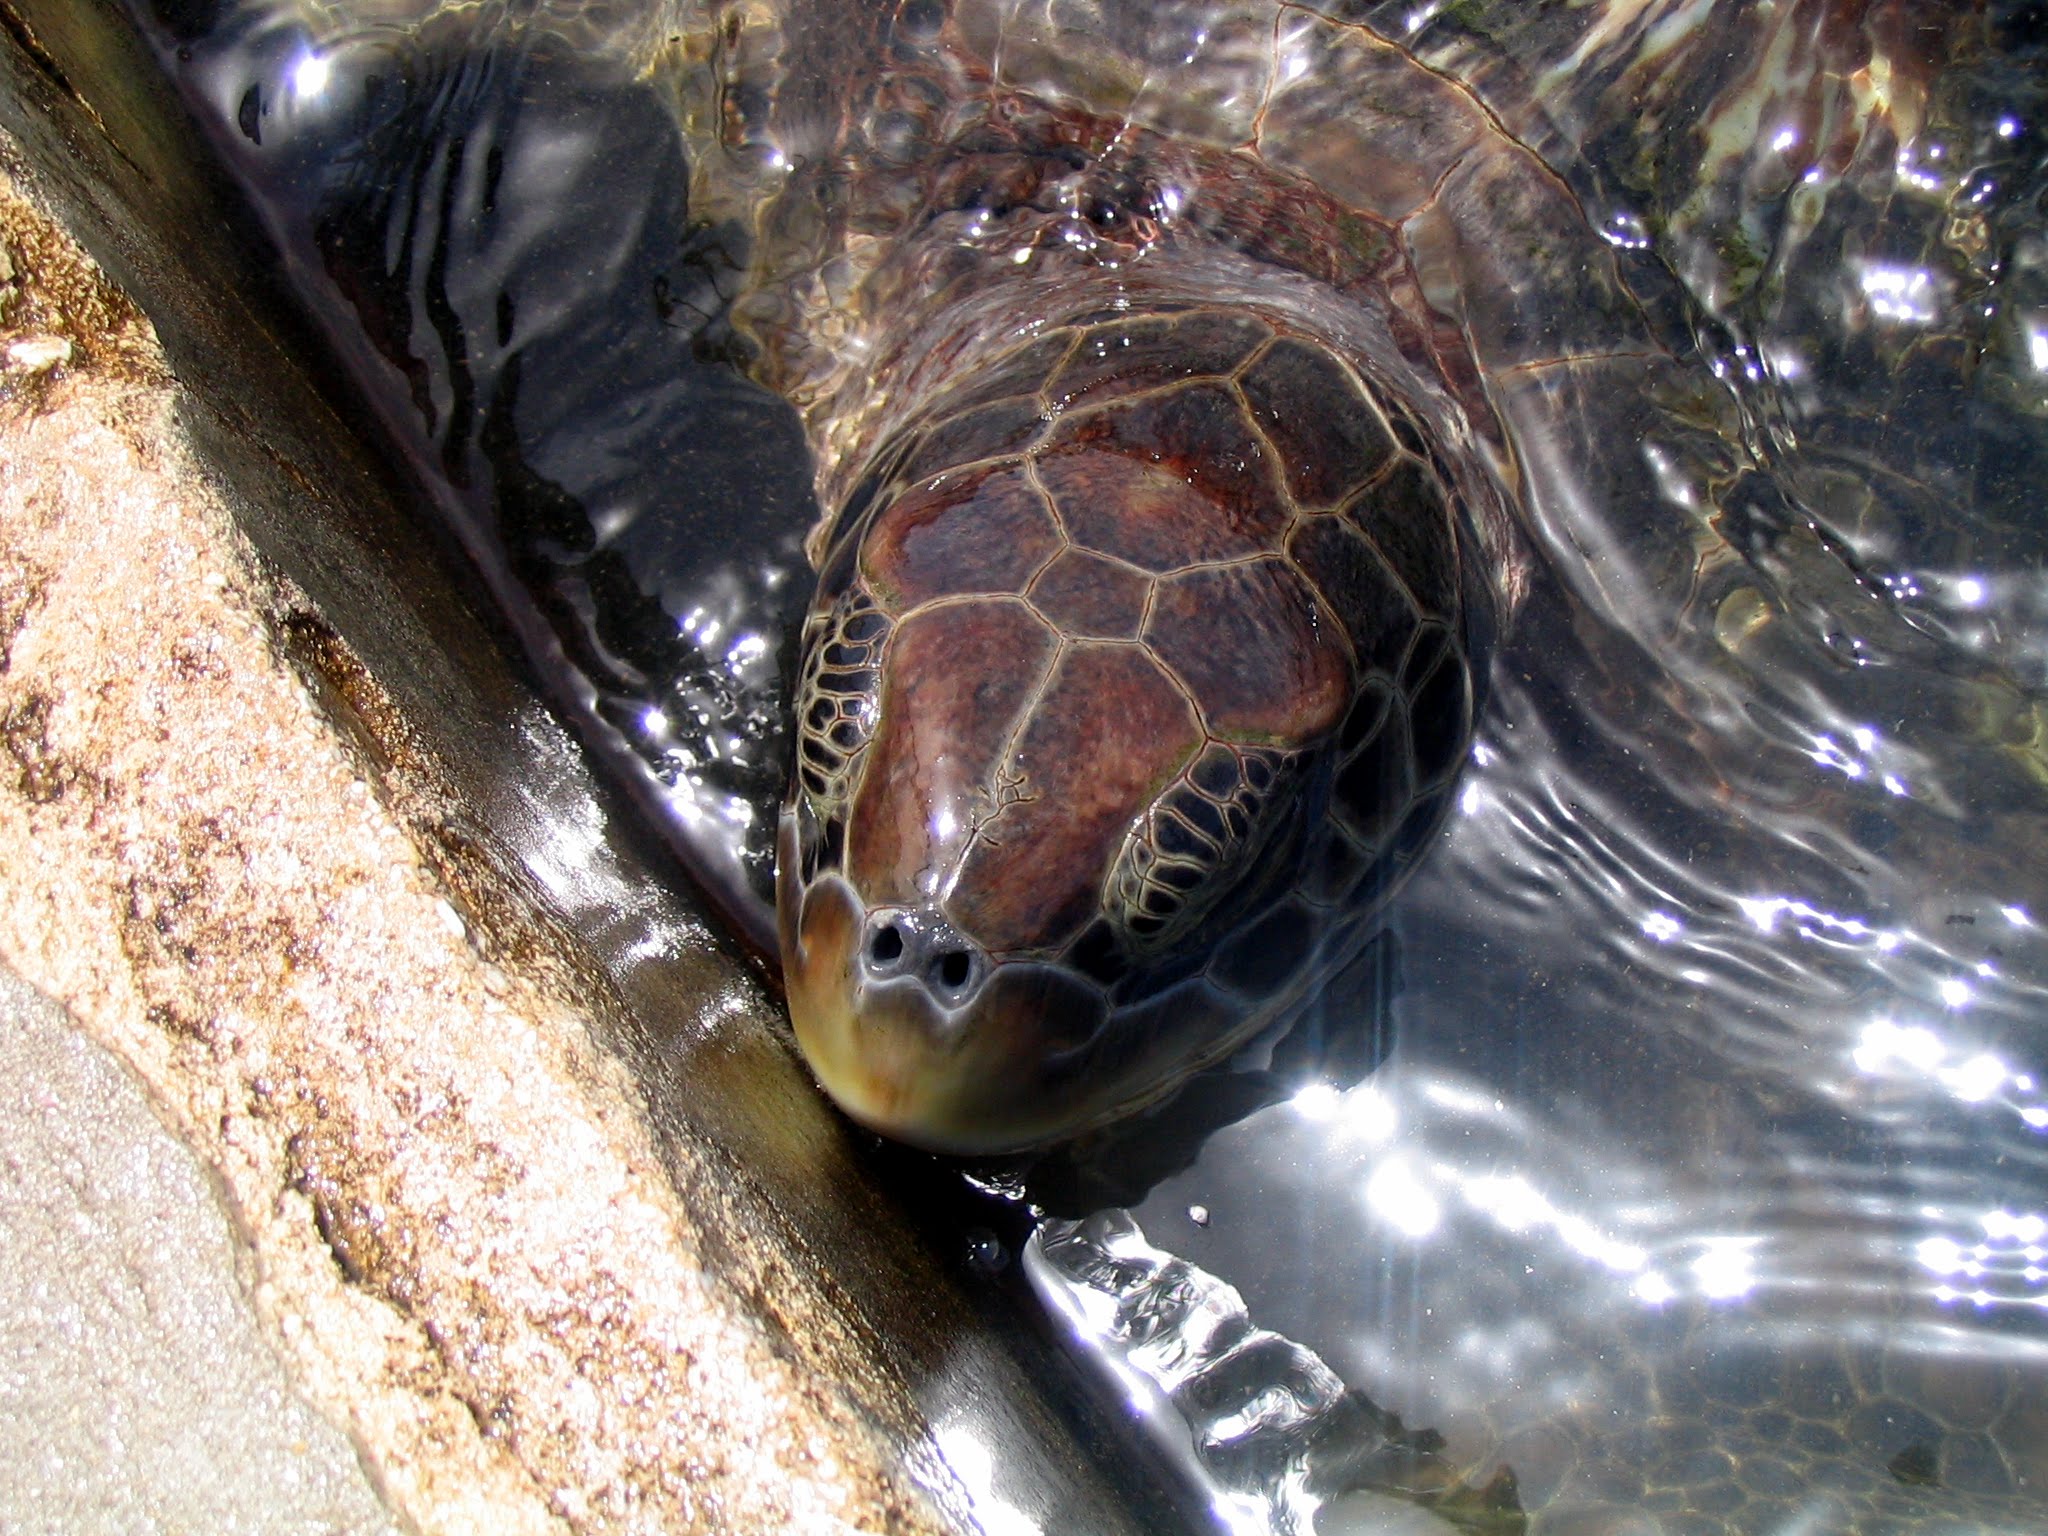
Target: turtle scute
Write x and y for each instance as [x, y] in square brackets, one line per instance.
[1135, 659]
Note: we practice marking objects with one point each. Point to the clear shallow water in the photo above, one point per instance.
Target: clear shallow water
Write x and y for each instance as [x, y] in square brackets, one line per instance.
[491, 224]
[1705, 1178]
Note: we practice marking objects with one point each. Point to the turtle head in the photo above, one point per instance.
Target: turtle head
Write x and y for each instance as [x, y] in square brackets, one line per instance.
[1003, 864]
[924, 876]
[1083, 693]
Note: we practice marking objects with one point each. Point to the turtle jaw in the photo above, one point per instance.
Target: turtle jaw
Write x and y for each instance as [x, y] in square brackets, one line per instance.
[999, 1072]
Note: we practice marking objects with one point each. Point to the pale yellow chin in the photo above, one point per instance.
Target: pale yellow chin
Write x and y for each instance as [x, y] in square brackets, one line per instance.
[881, 1058]
[973, 1081]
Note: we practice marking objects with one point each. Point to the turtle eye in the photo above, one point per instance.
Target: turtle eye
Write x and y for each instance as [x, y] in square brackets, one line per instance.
[1193, 843]
[836, 699]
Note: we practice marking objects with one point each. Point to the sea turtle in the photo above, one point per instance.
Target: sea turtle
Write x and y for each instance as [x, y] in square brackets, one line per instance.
[1190, 388]
[1194, 392]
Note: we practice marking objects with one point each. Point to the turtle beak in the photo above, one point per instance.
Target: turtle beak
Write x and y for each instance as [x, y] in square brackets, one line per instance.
[917, 1034]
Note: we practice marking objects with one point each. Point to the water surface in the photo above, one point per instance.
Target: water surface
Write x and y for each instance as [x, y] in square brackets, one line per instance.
[1701, 1178]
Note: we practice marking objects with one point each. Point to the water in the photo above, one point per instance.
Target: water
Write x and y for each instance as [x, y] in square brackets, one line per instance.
[1701, 1176]
[492, 227]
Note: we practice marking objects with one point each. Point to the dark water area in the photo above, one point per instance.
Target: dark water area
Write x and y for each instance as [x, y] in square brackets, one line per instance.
[496, 239]
[1700, 1175]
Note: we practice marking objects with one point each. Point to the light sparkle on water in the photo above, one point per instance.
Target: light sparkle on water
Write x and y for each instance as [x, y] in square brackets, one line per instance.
[1398, 1196]
[1662, 927]
[1726, 1270]
[311, 75]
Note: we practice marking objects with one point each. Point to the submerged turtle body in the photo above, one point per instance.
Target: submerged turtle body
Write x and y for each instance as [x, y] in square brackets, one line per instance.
[1178, 385]
[1129, 693]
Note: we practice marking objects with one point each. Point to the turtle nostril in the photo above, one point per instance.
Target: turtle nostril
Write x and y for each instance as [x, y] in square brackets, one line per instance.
[920, 947]
[952, 968]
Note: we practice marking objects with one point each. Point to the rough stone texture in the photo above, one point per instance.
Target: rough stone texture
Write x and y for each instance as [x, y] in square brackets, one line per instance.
[460, 1232]
[129, 1354]
[842, 1265]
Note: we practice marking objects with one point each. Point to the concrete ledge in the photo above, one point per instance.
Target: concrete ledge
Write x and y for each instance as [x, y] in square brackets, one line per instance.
[462, 1231]
[533, 1195]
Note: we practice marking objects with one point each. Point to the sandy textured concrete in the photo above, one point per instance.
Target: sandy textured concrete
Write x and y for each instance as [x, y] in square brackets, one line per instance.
[531, 1186]
[130, 1358]
[454, 1224]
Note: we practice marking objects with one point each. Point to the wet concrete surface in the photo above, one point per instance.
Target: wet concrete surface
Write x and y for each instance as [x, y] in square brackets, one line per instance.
[526, 1188]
